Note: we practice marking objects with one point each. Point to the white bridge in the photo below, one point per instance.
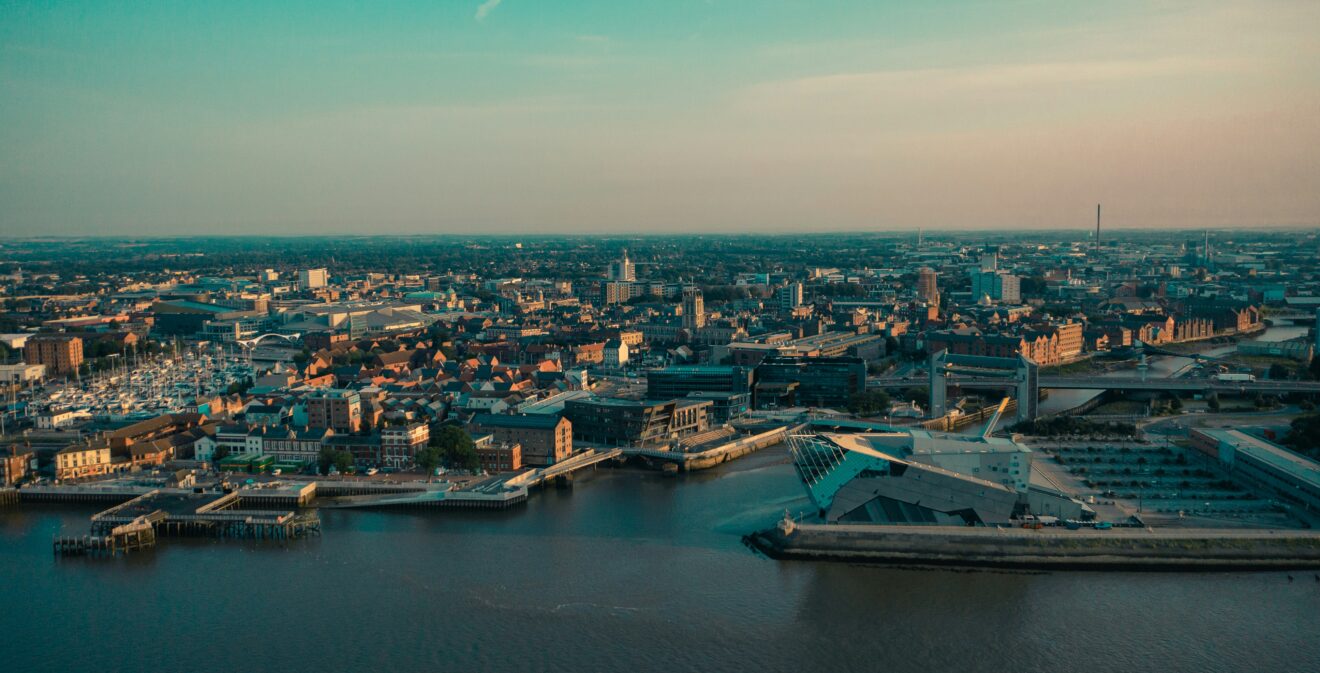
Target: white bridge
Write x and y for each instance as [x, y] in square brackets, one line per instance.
[294, 338]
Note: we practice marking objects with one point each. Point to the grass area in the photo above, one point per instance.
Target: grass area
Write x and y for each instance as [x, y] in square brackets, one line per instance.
[1262, 361]
[1119, 407]
[1080, 367]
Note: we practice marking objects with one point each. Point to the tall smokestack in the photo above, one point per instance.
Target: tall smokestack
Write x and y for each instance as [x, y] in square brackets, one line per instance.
[1097, 226]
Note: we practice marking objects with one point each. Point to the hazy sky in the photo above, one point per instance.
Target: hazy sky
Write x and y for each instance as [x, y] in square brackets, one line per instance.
[516, 116]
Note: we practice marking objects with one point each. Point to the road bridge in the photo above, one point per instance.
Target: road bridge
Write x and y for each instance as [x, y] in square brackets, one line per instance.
[563, 468]
[1115, 383]
[1295, 317]
[1019, 374]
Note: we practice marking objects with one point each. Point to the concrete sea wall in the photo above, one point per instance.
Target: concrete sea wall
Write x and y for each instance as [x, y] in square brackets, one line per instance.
[1050, 549]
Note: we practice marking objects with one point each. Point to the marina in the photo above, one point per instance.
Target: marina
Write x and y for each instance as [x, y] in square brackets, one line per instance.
[140, 387]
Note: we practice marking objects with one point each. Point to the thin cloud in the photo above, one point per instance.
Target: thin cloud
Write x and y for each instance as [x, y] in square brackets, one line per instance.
[486, 8]
[1015, 76]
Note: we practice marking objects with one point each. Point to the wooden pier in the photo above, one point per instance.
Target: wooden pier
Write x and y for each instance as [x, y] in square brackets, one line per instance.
[137, 535]
[137, 523]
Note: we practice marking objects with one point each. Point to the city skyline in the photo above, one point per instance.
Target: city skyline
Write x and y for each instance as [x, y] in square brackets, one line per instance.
[509, 118]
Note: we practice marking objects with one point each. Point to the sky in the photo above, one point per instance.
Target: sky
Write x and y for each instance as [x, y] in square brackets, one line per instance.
[155, 117]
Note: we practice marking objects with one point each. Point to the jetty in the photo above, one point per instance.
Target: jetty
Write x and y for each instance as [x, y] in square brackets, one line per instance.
[209, 515]
[136, 535]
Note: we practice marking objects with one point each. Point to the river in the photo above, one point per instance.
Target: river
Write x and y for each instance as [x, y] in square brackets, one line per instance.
[627, 571]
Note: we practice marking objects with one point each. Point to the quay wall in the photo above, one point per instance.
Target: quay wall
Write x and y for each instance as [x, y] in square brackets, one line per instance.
[1136, 549]
[737, 448]
[701, 460]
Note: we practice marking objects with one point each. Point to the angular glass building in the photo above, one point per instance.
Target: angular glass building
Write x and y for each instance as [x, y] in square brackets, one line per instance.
[923, 477]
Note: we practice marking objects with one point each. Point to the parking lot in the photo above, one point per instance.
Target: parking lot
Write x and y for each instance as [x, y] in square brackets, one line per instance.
[1166, 484]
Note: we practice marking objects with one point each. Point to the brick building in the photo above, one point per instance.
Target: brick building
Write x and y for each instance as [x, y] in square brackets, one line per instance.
[60, 353]
[545, 439]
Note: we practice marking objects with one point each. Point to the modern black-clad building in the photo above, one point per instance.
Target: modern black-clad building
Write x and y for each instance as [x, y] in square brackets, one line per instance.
[808, 381]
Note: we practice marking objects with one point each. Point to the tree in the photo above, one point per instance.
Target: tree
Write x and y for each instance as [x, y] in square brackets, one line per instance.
[1305, 435]
[456, 448]
[343, 461]
[220, 453]
[1212, 402]
[1278, 372]
[329, 456]
[869, 403]
[429, 458]
[918, 396]
[437, 332]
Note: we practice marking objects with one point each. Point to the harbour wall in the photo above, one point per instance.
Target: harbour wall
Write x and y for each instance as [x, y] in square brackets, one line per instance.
[1050, 549]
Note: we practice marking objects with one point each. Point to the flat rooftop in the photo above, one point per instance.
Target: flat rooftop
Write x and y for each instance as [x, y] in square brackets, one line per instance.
[1297, 466]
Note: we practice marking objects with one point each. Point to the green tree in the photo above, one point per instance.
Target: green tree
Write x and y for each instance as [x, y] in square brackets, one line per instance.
[221, 452]
[456, 447]
[325, 459]
[429, 458]
[437, 332]
[869, 403]
[1305, 435]
[343, 461]
[919, 396]
[339, 459]
[1212, 402]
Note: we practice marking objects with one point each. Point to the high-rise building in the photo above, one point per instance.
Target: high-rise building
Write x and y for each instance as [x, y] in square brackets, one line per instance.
[999, 286]
[268, 276]
[619, 292]
[694, 310]
[622, 270]
[339, 410]
[62, 354]
[928, 285]
[990, 259]
[312, 278]
[789, 297]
